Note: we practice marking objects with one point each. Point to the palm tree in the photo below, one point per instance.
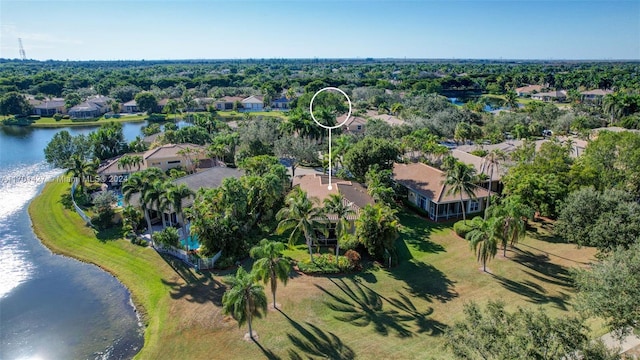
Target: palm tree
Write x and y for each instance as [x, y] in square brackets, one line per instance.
[511, 100]
[512, 215]
[173, 197]
[484, 239]
[270, 266]
[80, 169]
[335, 204]
[140, 182]
[490, 163]
[154, 196]
[245, 299]
[302, 217]
[125, 162]
[136, 160]
[460, 179]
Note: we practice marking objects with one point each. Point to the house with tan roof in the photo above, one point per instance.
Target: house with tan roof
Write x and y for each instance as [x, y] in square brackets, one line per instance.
[226, 103]
[253, 103]
[354, 195]
[93, 107]
[558, 95]
[483, 168]
[165, 157]
[426, 190]
[528, 90]
[48, 107]
[595, 95]
[130, 107]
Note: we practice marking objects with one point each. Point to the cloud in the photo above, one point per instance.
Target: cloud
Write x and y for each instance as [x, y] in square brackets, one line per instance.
[33, 40]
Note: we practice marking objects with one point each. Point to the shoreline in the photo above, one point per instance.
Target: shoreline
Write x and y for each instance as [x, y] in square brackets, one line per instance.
[64, 233]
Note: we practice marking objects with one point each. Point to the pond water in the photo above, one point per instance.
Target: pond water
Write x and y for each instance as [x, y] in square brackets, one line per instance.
[53, 307]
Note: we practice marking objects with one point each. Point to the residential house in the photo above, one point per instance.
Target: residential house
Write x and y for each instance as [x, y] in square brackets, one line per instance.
[387, 118]
[164, 157]
[253, 103]
[595, 96]
[558, 95]
[200, 104]
[354, 195]
[130, 107]
[48, 107]
[162, 103]
[227, 103]
[483, 168]
[528, 90]
[426, 190]
[209, 178]
[281, 103]
[92, 108]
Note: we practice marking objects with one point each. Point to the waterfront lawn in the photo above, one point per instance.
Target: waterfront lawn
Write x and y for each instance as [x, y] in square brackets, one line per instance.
[379, 313]
[49, 122]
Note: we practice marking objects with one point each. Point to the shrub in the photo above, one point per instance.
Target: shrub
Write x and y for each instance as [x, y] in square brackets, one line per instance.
[325, 264]
[34, 117]
[225, 262]
[479, 152]
[139, 241]
[354, 259]
[57, 117]
[168, 236]
[157, 117]
[66, 117]
[349, 242]
[463, 229]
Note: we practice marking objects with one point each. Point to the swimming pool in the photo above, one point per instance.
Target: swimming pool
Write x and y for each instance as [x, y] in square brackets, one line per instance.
[190, 243]
[120, 200]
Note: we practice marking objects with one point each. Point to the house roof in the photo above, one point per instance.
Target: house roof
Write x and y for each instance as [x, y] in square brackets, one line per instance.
[51, 103]
[169, 151]
[529, 89]
[597, 92]
[210, 178]
[253, 99]
[85, 106]
[163, 102]
[506, 146]
[99, 100]
[230, 99]
[130, 103]
[389, 119]
[557, 93]
[111, 167]
[150, 139]
[429, 182]
[353, 120]
[478, 163]
[281, 99]
[316, 186]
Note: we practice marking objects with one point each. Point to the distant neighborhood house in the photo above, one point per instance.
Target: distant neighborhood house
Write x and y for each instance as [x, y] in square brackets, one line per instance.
[558, 95]
[48, 107]
[92, 108]
[528, 90]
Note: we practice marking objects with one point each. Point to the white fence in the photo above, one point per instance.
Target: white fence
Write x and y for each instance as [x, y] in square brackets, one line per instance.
[194, 261]
[84, 216]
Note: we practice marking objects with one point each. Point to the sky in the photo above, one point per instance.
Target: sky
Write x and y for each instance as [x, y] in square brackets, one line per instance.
[211, 29]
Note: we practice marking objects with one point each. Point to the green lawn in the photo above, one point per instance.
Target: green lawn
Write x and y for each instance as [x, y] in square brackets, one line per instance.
[48, 122]
[379, 313]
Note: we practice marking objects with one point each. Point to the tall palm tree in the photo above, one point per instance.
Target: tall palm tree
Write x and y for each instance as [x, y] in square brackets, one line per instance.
[512, 215]
[491, 163]
[484, 239]
[335, 204]
[125, 162]
[174, 194]
[81, 169]
[270, 266]
[140, 182]
[245, 299]
[460, 179]
[511, 100]
[302, 217]
[154, 195]
[136, 160]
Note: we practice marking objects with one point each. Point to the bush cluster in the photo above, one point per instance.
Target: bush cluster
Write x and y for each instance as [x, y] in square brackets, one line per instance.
[325, 264]
[462, 229]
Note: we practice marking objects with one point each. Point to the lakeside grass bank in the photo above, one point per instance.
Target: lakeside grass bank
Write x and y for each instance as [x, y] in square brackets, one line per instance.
[379, 313]
[49, 122]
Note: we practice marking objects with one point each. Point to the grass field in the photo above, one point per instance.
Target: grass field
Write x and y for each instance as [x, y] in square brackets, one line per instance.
[49, 122]
[379, 313]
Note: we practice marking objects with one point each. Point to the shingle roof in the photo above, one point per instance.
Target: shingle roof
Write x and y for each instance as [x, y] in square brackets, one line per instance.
[597, 92]
[529, 89]
[253, 99]
[429, 182]
[169, 150]
[478, 163]
[130, 103]
[230, 99]
[111, 167]
[316, 186]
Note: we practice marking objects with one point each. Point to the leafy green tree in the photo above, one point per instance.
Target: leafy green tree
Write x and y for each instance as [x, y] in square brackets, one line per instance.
[511, 100]
[484, 239]
[131, 218]
[82, 170]
[605, 220]
[494, 333]
[377, 229]
[173, 197]
[302, 217]
[335, 205]
[610, 289]
[14, 103]
[296, 150]
[171, 107]
[245, 299]
[140, 182]
[380, 185]
[167, 236]
[146, 101]
[108, 141]
[63, 146]
[103, 206]
[460, 181]
[368, 152]
[270, 266]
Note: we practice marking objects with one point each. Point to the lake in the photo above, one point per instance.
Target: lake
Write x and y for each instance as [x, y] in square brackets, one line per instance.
[53, 307]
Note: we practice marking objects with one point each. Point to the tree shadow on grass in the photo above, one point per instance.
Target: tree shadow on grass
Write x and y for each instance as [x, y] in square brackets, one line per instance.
[196, 289]
[424, 280]
[109, 234]
[363, 307]
[551, 273]
[316, 343]
[544, 232]
[266, 352]
[415, 233]
[534, 293]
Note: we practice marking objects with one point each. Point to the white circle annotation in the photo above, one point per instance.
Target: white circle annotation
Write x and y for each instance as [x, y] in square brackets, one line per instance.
[311, 108]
